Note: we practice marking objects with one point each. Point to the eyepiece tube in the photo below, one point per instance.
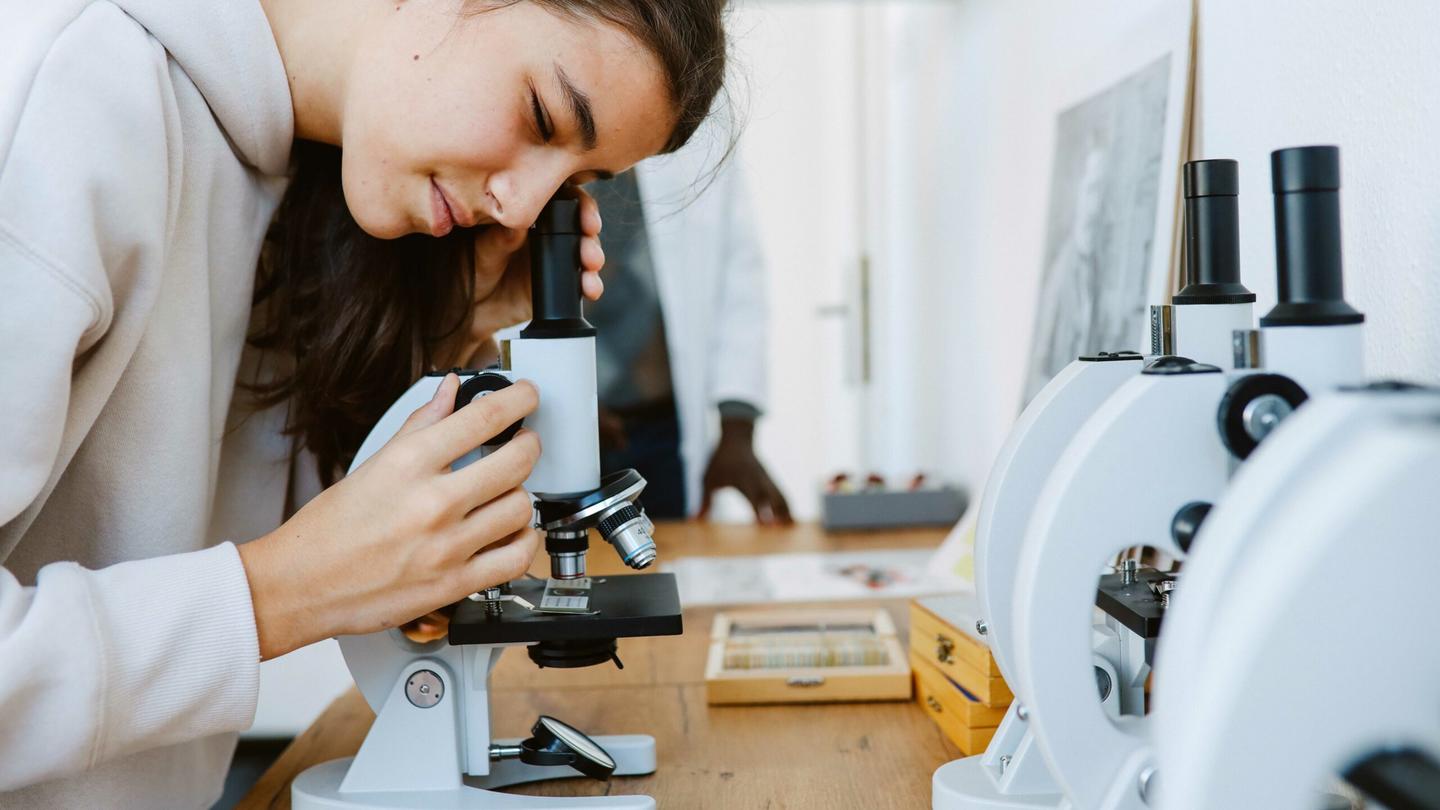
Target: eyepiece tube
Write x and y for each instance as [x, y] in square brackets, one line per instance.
[1309, 275]
[555, 273]
[1212, 234]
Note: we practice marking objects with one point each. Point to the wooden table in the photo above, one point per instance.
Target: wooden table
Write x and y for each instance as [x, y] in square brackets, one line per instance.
[860, 755]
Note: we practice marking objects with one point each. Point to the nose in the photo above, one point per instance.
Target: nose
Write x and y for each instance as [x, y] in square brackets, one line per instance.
[523, 189]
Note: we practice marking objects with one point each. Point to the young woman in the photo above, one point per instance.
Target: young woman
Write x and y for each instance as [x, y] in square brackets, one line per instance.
[147, 148]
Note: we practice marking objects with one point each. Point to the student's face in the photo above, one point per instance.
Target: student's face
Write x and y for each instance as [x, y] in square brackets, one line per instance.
[453, 119]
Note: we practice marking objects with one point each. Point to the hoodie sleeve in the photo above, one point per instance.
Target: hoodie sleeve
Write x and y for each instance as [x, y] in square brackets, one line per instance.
[96, 664]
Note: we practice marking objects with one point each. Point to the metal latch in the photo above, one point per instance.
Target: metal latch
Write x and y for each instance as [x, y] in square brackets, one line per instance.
[943, 647]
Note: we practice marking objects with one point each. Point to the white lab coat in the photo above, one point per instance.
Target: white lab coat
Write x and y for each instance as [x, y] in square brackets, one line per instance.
[710, 274]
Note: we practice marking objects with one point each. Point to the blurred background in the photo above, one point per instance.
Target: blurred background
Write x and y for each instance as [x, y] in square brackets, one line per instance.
[915, 140]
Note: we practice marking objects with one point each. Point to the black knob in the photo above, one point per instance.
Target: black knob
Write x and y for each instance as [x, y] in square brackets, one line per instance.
[555, 743]
[1212, 234]
[1252, 407]
[1186, 523]
[484, 383]
[1309, 274]
[555, 274]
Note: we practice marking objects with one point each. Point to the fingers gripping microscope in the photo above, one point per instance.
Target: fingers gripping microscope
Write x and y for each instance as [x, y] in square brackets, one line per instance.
[1144, 471]
[431, 744]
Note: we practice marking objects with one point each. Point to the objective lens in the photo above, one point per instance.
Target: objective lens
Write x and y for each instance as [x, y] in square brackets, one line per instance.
[567, 565]
[628, 530]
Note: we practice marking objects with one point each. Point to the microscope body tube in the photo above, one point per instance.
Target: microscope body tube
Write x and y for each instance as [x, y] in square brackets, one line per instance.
[1205, 332]
[557, 352]
[567, 421]
[1214, 303]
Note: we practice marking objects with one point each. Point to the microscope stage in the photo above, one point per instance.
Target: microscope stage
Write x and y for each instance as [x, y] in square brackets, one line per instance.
[626, 607]
[1136, 606]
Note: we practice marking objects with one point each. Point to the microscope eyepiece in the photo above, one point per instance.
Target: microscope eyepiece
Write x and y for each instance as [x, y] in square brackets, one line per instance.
[559, 216]
[1306, 182]
[555, 274]
[1212, 234]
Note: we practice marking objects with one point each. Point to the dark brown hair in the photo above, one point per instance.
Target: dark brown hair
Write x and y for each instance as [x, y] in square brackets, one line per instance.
[357, 319]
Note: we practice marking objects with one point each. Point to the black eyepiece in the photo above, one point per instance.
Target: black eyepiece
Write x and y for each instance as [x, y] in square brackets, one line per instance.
[555, 273]
[1309, 272]
[1212, 234]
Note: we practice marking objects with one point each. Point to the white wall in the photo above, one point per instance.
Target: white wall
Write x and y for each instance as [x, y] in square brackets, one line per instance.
[946, 185]
[974, 84]
[1363, 76]
[976, 87]
[919, 133]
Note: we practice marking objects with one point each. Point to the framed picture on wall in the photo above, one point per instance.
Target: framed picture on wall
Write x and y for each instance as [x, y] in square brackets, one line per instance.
[1121, 132]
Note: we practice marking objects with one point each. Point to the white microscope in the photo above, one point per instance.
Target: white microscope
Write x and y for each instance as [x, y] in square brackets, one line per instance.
[431, 744]
[1305, 642]
[1011, 773]
[1143, 471]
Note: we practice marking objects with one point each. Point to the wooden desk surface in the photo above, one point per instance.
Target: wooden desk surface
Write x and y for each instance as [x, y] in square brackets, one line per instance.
[858, 755]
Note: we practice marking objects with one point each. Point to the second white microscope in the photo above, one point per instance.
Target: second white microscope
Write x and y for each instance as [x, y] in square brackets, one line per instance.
[1143, 471]
[1011, 773]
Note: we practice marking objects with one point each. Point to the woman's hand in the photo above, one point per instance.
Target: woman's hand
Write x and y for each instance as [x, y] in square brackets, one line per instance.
[402, 535]
[502, 277]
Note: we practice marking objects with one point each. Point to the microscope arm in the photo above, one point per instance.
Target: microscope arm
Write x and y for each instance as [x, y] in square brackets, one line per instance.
[1322, 649]
[1152, 448]
[1030, 453]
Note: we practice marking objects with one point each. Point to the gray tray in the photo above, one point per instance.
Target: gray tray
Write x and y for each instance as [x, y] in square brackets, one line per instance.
[892, 509]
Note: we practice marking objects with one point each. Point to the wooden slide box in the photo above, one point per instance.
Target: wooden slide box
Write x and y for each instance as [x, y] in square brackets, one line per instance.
[950, 707]
[937, 637]
[806, 684]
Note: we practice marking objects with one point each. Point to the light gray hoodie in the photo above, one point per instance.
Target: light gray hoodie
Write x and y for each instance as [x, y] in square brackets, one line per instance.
[143, 148]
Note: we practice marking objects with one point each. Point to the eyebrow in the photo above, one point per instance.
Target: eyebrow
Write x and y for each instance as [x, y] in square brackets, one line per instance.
[580, 106]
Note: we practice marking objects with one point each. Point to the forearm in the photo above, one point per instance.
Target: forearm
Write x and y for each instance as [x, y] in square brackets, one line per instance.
[95, 665]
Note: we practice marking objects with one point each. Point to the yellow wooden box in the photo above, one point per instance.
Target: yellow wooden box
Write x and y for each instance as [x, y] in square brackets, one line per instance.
[887, 679]
[942, 635]
[953, 710]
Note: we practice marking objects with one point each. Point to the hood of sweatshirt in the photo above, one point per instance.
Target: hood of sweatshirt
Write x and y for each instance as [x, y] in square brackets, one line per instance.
[227, 49]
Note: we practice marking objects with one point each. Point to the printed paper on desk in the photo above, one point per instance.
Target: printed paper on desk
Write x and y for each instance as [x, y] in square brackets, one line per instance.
[806, 577]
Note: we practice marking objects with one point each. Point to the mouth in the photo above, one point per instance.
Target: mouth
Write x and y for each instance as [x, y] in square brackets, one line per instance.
[442, 218]
[456, 214]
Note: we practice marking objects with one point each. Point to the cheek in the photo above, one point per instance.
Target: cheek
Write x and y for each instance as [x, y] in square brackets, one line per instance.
[375, 192]
[381, 170]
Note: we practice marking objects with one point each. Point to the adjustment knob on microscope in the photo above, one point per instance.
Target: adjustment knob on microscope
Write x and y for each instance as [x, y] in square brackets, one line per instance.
[555, 743]
[1254, 406]
[487, 382]
[1186, 523]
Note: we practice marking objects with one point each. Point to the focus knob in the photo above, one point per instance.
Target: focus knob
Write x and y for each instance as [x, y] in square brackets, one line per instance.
[487, 382]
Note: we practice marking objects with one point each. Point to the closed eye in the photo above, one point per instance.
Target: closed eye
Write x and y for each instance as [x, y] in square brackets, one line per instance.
[542, 124]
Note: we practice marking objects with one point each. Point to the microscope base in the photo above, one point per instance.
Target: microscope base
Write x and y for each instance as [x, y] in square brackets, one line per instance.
[1010, 775]
[965, 784]
[319, 787]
